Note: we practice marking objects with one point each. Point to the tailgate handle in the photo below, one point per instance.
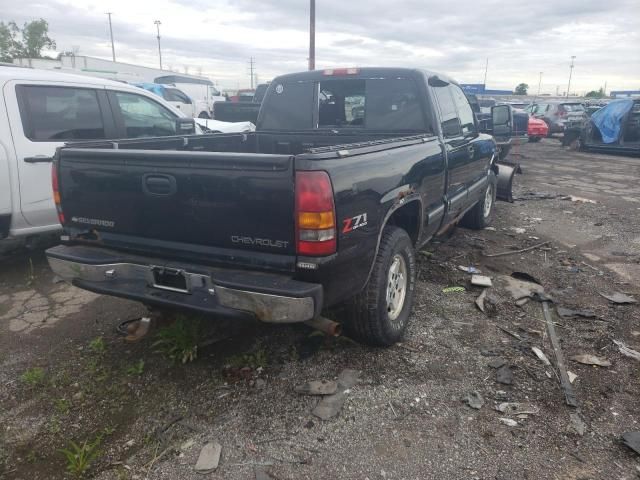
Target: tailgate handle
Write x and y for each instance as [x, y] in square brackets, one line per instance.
[158, 185]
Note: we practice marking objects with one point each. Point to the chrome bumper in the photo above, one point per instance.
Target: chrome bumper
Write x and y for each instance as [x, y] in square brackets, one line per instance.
[266, 307]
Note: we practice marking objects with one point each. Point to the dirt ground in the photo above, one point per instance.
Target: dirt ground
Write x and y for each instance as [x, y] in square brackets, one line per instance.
[405, 418]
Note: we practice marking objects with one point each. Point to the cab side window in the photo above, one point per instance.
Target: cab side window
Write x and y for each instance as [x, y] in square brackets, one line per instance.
[60, 113]
[144, 117]
[450, 121]
[465, 113]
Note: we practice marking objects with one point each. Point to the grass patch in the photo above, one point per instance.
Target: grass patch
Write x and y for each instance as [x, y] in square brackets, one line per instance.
[33, 376]
[178, 342]
[62, 406]
[136, 369]
[98, 346]
[80, 457]
[258, 358]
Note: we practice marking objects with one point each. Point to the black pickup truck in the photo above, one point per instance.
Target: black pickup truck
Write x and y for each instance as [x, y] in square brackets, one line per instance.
[241, 111]
[349, 172]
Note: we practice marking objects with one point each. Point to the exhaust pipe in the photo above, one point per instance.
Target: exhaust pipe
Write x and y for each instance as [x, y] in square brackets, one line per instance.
[329, 327]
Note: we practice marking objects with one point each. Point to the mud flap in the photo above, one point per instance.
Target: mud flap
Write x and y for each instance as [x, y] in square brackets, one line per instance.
[505, 181]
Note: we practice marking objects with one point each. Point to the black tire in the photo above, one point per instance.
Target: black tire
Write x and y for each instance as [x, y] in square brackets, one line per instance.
[535, 139]
[204, 115]
[370, 319]
[480, 217]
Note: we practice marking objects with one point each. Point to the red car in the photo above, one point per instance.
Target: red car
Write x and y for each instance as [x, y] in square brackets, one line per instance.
[537, 129]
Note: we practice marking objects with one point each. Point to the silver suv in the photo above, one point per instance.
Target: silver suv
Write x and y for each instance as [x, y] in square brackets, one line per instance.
[559, 115]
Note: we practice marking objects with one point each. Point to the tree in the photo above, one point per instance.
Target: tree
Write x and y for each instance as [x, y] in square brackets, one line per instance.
[34, 38]
[595, 93]
[521, 89]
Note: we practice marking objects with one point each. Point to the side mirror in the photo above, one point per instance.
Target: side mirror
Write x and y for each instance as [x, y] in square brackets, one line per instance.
[185, 126]
[502, 120]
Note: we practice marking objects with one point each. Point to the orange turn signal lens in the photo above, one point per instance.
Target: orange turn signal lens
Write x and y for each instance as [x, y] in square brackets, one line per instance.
[315, 220]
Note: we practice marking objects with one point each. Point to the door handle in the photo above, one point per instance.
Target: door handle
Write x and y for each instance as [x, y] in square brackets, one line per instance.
[38, 159]
[158, 185]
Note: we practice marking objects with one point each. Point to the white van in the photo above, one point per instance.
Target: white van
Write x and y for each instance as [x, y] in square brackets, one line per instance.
[202, 91]
[40, 110]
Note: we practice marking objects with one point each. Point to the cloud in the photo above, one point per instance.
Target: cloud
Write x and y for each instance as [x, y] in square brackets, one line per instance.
[455, 38]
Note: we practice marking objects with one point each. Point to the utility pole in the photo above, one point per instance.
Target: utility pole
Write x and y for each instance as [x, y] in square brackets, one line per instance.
[573, 57]
[312, 34]
[605, 88]
[539, 83]
[251, 66]
[158, 23]
[486, 67]
[113, 49]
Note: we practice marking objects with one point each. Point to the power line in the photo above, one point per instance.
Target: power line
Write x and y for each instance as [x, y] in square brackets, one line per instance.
[251, 70]
[113, 49]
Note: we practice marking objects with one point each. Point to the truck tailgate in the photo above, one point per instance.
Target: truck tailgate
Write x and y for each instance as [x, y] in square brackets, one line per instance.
[234, 201]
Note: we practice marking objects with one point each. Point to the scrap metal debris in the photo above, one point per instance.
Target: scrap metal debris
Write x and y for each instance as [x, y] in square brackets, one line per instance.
[626, 351]
[516, 408]
[520, 289]
[619, 298]
[572, 377]
[481, 281]
[209, 458]
[577, 424]
[541, 356]
[469, 269]
[508, 422]
[568, 313]
[632, 440]
[504, 375]
[317, 387]
[569, 395]
[513, 252]
[587, 359]
[474, 400]
[330, 405]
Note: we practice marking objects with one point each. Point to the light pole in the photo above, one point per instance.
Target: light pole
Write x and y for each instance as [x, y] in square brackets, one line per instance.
[539, 83]
[573, 57]
[486, 68]
[158, 23]
[312, 35]
[113, 49]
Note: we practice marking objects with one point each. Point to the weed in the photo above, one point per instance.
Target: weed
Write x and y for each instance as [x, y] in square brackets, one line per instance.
[256, 359]
[137, 368]
[33, 377]
[32, 456]
[62, 406]
[97, 345]
[179, 341]
[55, 426]
[80, 457]
[31, 277]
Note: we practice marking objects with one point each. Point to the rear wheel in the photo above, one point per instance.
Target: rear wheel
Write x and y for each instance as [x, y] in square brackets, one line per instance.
[203, 115]
[379, 314]
[481, 215]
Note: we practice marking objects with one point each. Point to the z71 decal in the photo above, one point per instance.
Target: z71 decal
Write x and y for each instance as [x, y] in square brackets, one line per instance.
[353, 223]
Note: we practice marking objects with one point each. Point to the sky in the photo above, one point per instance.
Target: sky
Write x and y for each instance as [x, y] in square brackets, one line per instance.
[218, 37]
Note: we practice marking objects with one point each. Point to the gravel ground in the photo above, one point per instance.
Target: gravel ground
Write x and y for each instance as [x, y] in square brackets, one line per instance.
[405, 418]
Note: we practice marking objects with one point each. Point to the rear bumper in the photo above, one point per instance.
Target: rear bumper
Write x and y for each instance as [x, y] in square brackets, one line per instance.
[224, 292]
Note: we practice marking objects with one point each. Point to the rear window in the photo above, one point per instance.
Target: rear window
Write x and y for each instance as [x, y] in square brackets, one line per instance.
[573, 107]
[60, 113]
[375, 104]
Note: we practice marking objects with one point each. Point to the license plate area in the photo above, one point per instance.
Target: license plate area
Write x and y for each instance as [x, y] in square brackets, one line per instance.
[170, 279]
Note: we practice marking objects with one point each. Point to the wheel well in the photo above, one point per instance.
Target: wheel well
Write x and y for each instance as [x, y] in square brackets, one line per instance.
[408, 218]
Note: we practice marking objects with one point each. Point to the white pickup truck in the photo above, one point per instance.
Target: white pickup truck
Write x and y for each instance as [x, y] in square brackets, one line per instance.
[40, 110]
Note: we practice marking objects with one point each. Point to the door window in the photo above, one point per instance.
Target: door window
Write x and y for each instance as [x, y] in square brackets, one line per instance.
[175, 95]
[60, 113]
[465, 113]
[394, 104]
[144, 117]
[450, 120]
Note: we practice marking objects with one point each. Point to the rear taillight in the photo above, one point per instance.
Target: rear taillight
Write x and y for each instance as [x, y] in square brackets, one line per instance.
[315, 214]
[56, 192]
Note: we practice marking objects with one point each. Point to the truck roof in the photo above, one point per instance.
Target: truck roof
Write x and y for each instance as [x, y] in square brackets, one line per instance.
[317, 75]
[8, 73]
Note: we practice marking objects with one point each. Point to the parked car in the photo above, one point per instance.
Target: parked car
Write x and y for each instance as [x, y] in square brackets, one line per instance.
[241, 111]
[42, 109]
[614, 128]
[318, 208]
[558, 114]
[172, 96]
[537, 129]
[202, 91]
